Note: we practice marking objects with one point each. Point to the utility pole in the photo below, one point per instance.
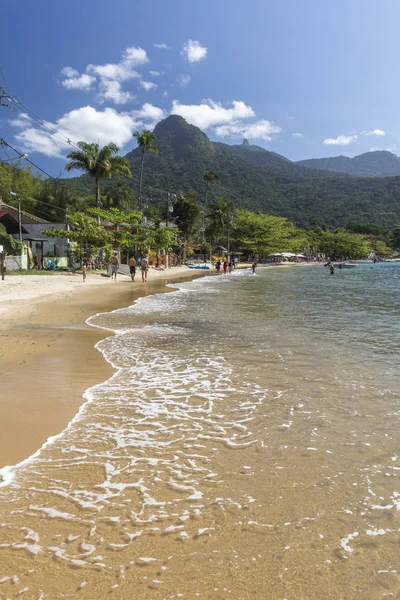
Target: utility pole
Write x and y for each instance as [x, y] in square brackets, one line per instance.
[170, 204]
[4, 95]
[2, 262]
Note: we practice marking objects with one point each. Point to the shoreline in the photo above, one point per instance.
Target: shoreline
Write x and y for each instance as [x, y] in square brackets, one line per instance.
[42, 319]
[48, 354]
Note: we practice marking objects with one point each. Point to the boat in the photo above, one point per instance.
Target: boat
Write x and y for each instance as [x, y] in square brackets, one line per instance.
[198, 267]
[345, 265]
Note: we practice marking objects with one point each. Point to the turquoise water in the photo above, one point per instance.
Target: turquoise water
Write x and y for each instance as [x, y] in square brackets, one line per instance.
[247, 446]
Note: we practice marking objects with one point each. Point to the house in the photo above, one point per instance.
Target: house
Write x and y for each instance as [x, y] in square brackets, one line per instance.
[40, 250]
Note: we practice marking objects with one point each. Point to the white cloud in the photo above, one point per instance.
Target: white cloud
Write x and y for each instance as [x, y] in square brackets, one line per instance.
[184, 80]
[69, 72]
[83, 124]
[83, 82]
[161, 46]
[261, 130]
[297, 135]
[155, 73]
[135, 56]
[111, 90]
[210, 113]
[165, 94]
[193, 51]
[148, 85]
[374, 132]
[341, 140]
[108, 76]
[150, 114]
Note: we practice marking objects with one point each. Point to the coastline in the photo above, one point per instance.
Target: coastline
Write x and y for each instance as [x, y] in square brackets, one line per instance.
[47, 351]
[48, 355]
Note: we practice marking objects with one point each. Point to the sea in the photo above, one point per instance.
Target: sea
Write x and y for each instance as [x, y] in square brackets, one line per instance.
[246, 447]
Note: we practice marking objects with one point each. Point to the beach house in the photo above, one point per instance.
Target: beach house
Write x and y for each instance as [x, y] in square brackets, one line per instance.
[39, 250]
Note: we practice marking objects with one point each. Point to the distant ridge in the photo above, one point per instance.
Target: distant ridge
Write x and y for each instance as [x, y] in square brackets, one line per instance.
[379, 163]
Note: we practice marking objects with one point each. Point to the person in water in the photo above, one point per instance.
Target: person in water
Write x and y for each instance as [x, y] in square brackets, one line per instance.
[218, 265]
[132, 268]
[253, 267]
[331, 269]
[225, 266]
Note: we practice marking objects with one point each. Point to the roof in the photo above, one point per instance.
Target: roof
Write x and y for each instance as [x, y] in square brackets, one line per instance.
[26, 218]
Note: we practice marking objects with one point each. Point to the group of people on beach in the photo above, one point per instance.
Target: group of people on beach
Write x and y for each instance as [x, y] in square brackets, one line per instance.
[140, 263]
[228, 265]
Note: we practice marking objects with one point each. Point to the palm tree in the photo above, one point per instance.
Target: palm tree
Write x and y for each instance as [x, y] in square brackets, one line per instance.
[209, 177]
[98, 162]
[145, 142]
[220, 215]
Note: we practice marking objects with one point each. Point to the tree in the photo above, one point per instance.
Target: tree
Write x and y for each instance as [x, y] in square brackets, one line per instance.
[221, 212]
[209, 177]
[396, 237]
[145, 142]
[98, 162]
[11, 245]
[342, 244]
[263, 234]
[186, 214]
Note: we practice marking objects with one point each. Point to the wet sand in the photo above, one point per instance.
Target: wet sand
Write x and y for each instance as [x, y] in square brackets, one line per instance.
[47, 354]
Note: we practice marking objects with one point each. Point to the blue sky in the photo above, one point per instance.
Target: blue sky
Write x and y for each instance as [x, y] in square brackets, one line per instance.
[305, 78]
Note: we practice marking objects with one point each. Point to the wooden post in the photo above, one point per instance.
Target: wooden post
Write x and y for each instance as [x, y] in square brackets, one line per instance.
[2, 262]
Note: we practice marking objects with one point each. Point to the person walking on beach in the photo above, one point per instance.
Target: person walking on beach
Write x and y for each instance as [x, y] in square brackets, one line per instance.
[225, 266]
[84, 269]
[144, 267]
[114, 266]
[132, 268]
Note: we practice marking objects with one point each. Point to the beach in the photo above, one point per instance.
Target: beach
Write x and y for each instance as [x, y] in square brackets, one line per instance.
[239, 439]
[47, 352]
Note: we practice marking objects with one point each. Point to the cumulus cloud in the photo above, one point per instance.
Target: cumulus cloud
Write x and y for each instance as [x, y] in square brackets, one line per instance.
[341, 140]
[108, 76]
[161, 46]
[69, 72]
[194, 51]
[184, 80]
[261, 130]
[148, 85]
[375, 132]
[149, 114]
[155, 73]
[110, 90]
[83, 82]
[210, 113]
[83, 124]
[297, 135]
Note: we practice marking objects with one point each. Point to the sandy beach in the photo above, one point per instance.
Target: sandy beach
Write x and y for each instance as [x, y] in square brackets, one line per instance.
[47, 354]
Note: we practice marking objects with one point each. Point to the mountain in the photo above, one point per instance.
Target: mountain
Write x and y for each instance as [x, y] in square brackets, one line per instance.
[379, 163]
[255, 179]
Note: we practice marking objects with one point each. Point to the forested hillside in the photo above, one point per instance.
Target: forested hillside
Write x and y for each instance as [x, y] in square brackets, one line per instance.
[255, 179]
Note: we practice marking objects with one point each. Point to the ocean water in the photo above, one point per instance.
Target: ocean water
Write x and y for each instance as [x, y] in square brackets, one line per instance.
[247, 446]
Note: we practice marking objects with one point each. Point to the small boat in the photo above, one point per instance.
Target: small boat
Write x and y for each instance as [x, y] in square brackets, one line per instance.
[345, 265]
[198, 267]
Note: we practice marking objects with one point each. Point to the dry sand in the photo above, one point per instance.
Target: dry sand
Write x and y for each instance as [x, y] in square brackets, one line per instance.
[47, 354]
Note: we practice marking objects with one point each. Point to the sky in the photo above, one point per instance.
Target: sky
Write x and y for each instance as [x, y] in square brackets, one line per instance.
[304, 78]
